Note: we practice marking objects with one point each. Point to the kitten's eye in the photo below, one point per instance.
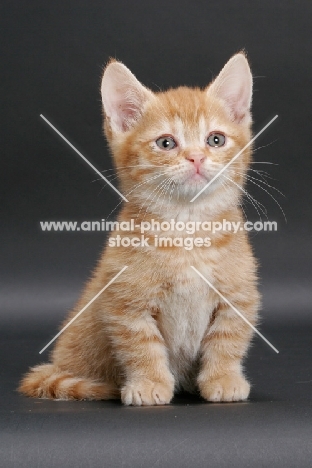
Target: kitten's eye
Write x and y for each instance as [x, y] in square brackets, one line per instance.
[216, 139]
[166, 143]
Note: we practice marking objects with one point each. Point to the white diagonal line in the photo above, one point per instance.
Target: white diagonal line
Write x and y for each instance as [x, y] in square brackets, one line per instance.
[83, 309]
[234, 308]
[233, 159]
[84, 158]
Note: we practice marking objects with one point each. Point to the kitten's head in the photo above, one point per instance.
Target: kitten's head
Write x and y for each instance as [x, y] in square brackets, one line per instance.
[178, 140]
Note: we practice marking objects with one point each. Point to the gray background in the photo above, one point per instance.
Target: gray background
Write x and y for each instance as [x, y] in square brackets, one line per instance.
[52, 56]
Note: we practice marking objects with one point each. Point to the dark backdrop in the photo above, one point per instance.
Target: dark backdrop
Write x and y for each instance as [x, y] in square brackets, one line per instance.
[53, 54]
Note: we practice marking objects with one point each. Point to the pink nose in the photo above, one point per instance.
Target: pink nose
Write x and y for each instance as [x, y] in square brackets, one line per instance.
[197, 159]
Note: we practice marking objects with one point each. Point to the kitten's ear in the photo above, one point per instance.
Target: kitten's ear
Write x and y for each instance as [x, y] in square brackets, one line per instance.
[234, 86]
[123, 96]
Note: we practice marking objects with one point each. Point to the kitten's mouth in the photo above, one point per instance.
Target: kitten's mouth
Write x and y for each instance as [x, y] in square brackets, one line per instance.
[196, 177]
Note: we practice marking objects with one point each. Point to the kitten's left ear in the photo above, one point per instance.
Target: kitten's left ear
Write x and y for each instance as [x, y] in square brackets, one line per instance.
[234, 86]
[123, 96]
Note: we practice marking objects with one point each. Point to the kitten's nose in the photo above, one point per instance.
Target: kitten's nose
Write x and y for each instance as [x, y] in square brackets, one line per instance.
[197, 159]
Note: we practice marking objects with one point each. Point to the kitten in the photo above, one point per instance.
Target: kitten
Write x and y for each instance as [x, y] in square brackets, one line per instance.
[159, 327]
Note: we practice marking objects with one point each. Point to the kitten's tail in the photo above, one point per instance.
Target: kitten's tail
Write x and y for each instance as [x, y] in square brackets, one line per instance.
[48, 381]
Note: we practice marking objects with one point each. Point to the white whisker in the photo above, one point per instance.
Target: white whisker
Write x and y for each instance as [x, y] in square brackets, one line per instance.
[256, 204]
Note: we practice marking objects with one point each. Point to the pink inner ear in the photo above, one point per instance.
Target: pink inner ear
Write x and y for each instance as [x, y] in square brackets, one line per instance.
[123, 106]
[237, 101]
[126, 115]
[238, 107]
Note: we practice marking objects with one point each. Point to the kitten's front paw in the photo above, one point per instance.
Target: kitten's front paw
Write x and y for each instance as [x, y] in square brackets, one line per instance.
[227, 388]
[146, 392]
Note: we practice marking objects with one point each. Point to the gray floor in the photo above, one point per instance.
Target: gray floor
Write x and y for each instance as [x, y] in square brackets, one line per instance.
[272, 429]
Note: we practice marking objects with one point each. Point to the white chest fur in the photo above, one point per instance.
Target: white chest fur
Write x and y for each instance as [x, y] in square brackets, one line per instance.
[185, 314]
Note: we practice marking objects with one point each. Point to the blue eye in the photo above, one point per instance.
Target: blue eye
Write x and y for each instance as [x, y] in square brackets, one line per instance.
[216, 139]
[166, 143]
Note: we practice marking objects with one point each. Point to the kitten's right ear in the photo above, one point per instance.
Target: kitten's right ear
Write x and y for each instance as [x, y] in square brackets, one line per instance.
[123, 96]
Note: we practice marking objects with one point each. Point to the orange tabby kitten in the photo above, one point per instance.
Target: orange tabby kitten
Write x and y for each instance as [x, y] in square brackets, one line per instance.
[159, 327]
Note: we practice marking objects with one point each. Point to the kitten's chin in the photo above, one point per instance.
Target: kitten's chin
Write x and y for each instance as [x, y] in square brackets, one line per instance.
[194, 183]
[196, 178]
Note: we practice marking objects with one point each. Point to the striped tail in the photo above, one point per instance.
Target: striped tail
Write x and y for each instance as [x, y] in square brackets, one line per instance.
[48, 381]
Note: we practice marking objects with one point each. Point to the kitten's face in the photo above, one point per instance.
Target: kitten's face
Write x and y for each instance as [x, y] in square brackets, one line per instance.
[181, 139]
[186, 137]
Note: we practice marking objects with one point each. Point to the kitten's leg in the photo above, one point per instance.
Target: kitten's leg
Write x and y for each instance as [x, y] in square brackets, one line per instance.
[141, 353]
[222, 349]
